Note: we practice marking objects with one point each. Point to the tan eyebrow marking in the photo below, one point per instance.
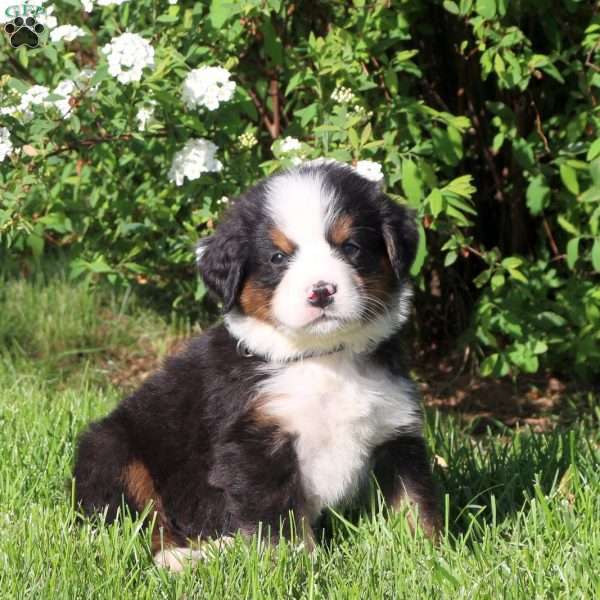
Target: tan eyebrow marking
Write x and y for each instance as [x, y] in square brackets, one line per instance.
[341, 229]
[282, 241]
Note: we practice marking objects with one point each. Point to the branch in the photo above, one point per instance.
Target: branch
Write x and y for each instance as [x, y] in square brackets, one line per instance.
[272, 123]
[551, 240]
[538, 127]
[90, 142]
[274, 94]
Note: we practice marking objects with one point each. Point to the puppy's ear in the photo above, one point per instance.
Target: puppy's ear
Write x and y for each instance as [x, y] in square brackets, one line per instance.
[400, 235]
[221, 260]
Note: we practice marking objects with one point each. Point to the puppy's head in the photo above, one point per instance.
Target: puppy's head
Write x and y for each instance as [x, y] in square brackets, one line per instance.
[314, 252]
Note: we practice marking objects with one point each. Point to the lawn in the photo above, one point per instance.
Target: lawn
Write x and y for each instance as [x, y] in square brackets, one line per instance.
[521, 509]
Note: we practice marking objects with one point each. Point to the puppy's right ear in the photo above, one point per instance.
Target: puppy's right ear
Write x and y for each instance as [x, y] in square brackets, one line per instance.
[222, 259]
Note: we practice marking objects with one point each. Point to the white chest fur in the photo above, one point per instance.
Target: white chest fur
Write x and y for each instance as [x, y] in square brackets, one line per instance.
[338, 408]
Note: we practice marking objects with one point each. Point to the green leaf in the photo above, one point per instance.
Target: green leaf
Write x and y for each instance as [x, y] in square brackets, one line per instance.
[512, 262]
[421, 252]
[596, 255]
[451, 7]
[523, 152]
[412, 183]
[591, 195]
[595, 171]
[569, 178]
[538, 194]
[551, 70]
[497, 281]
[572, 252]
[366, 134]
[75, 123]
[482, 278]
[518, 275]
[567, 225]
[221, 12]
[36, 243]
[167, 19]
[486, 8]
[296, 80]
[18, 85]
[461, 186]
[353, 138]
[594, 150]
[272, 44]
[307, 114]
[494, 365]
[450, 258]
[436, 202]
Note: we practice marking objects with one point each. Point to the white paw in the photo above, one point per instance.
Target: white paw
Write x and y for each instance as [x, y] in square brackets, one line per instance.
[176, 559]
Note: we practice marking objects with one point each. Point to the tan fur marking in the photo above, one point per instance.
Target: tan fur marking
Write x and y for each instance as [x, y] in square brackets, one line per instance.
[340, 230]
[139, 484]
[256, 301]
[282, 242]
[263, 420]
[140, 488]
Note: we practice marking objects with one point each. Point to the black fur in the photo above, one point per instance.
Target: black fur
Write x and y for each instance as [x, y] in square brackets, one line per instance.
[216, 465]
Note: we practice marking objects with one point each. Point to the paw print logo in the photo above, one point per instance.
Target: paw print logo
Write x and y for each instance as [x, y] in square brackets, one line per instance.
[24, 32]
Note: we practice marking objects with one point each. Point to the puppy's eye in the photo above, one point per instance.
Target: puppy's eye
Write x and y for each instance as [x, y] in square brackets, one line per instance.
[279, 258]
[350, 249]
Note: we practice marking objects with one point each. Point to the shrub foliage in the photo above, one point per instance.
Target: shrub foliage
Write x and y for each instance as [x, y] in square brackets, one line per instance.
[483, 115]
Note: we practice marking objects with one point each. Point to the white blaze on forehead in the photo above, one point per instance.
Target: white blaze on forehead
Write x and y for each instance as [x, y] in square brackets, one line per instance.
[301, 206]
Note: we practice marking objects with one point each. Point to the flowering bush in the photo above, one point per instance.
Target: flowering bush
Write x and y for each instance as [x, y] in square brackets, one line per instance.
[126, 132]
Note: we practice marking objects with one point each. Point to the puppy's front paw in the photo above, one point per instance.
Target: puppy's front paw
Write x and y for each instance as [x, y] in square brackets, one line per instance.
[176, 559]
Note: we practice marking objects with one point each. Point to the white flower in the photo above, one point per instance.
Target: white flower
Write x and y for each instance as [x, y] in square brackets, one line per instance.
[128, 55]
[223, 200]
[369, 170]
[9, 100]
[65, 89]
[247, 140]
[361, 112]
[83, 82]
[86, 74]
[208, 87]
[196, 157]
[172, 1]
[36, 94]
[47, 18]
[66, 32]
[6, 146]
[343, 95]
[290, 144]
[145, 114]
[87, 5]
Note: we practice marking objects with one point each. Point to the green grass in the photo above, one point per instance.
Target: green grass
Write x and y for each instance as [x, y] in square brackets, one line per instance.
[522, 510]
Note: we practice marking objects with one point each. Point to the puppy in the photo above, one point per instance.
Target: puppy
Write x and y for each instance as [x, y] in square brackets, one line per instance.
[288, 406]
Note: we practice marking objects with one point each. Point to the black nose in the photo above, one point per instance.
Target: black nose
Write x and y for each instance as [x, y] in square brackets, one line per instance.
[321, 294]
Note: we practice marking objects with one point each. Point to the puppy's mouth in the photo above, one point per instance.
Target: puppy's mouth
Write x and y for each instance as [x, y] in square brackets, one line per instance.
[331, 320]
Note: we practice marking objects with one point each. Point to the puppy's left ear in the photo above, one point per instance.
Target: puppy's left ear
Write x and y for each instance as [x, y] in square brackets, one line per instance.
[401, 236]
[221, 260]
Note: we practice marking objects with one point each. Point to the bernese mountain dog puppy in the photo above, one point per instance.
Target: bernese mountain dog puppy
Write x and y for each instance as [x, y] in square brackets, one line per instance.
[290, 404]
